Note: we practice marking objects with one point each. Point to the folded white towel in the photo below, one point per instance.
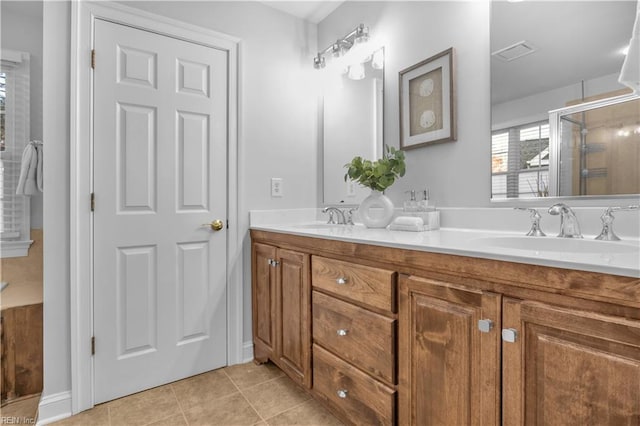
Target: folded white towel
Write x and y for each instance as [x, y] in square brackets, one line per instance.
[27, 184]
[406, 223]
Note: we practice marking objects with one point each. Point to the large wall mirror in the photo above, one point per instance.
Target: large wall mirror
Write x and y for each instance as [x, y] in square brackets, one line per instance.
[549, 59]
[351, 125]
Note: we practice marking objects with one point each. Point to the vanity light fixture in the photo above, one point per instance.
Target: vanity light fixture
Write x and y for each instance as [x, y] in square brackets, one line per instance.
[338, 49]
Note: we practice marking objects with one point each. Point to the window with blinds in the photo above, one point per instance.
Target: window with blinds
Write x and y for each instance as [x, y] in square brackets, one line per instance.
[14, 132]
[520, 161]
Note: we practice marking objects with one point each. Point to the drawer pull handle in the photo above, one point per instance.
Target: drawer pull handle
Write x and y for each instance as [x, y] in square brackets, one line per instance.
[342, 332]
[342, 393]
[341, 280]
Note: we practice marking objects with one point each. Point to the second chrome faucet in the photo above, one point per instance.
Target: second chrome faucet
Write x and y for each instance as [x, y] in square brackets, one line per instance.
[569, 226]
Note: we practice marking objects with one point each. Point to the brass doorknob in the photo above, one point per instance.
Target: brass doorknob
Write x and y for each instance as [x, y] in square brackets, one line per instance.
[216, 225]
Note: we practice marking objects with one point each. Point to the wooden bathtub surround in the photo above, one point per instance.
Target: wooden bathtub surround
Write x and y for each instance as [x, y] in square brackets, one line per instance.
[21, 326]
[21, 351]
[399, 331]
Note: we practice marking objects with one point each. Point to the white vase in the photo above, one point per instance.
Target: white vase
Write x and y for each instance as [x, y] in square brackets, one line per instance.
[376, 211]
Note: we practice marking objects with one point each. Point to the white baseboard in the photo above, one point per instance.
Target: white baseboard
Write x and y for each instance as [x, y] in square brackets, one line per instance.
[247, 352]
[58, 406]
[54, 407]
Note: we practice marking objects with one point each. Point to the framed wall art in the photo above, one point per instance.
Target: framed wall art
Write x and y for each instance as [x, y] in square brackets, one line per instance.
[427, 102]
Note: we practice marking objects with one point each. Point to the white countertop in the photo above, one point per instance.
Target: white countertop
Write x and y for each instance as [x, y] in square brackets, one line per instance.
[472, 243]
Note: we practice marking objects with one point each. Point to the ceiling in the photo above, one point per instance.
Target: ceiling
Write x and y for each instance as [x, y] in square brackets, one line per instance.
[312, 11]
[575, 40]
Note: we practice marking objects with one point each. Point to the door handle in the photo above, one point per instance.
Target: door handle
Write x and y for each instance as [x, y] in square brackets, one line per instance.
[216, 225]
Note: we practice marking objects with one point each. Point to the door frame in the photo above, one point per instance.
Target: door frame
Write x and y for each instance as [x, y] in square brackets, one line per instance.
[83, 16]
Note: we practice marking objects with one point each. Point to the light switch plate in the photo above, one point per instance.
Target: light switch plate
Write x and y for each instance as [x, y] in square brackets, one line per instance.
[351, 188]
[276, 187]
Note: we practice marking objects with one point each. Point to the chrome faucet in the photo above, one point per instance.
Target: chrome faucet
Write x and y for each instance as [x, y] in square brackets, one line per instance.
[535, 230]
[607, 233]
[349, 216]
[569, 227]
[333, 212]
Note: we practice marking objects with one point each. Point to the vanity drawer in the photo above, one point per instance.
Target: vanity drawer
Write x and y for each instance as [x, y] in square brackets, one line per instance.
[352, 393]
[364, 338]
[371, 286]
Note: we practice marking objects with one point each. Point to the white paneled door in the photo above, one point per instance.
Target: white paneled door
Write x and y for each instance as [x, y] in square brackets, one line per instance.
[160, 140]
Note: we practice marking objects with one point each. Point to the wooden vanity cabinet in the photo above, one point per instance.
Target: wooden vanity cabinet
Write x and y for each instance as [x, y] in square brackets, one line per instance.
[468, 356]
[569, 367]
[437, 339]
[281, 297]
[354, 334]
[449, 369]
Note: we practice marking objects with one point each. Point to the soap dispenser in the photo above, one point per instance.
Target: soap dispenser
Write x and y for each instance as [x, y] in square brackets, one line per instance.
[423, 205]
[411, 205]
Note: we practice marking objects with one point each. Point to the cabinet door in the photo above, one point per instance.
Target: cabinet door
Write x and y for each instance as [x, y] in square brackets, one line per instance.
[569, 367]
[448, 369]
[293, 319]
[263, 284]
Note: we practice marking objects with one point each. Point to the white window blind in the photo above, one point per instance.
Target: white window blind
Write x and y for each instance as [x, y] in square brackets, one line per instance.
[520, 161]
[14, 104]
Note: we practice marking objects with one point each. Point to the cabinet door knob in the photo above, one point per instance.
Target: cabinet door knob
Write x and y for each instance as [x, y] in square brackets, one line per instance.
[342, 332]
[485, 325]
[509, 335]
[342, 393]
[341, 280]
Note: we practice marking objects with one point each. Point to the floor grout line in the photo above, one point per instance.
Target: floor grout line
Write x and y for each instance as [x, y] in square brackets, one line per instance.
[184, 416]
[283, 411]
[245, 397]
[288, 409]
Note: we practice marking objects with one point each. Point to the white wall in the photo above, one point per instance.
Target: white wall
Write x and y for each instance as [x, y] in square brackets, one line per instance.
[458, 172]
[277, 137]
[21, 29]
[56, 60]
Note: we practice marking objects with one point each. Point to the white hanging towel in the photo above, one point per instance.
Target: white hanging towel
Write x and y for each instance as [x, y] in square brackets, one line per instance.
[39, 175]
[27, 184]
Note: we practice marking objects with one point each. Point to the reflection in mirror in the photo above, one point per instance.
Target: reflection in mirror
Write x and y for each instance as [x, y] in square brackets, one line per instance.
[352, 125]
[599, 148]
[536, 69]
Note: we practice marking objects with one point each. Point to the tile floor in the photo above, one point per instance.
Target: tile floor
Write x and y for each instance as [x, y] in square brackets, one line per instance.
[21, 411]
[245, 394]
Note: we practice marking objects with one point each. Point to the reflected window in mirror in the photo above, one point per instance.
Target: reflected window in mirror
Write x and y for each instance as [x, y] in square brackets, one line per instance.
[520, 161]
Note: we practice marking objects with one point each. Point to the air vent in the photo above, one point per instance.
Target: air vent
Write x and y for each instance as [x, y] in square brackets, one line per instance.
[515, 51]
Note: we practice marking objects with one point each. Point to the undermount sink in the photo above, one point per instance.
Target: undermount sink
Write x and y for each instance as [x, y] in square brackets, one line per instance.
[564, 245]
[319, 226]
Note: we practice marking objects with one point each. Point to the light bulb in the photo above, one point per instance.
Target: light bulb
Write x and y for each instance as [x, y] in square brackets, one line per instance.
[356, 71]
[378, 60]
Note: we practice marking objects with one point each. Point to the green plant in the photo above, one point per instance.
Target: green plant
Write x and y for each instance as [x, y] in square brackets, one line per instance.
[377, 175]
